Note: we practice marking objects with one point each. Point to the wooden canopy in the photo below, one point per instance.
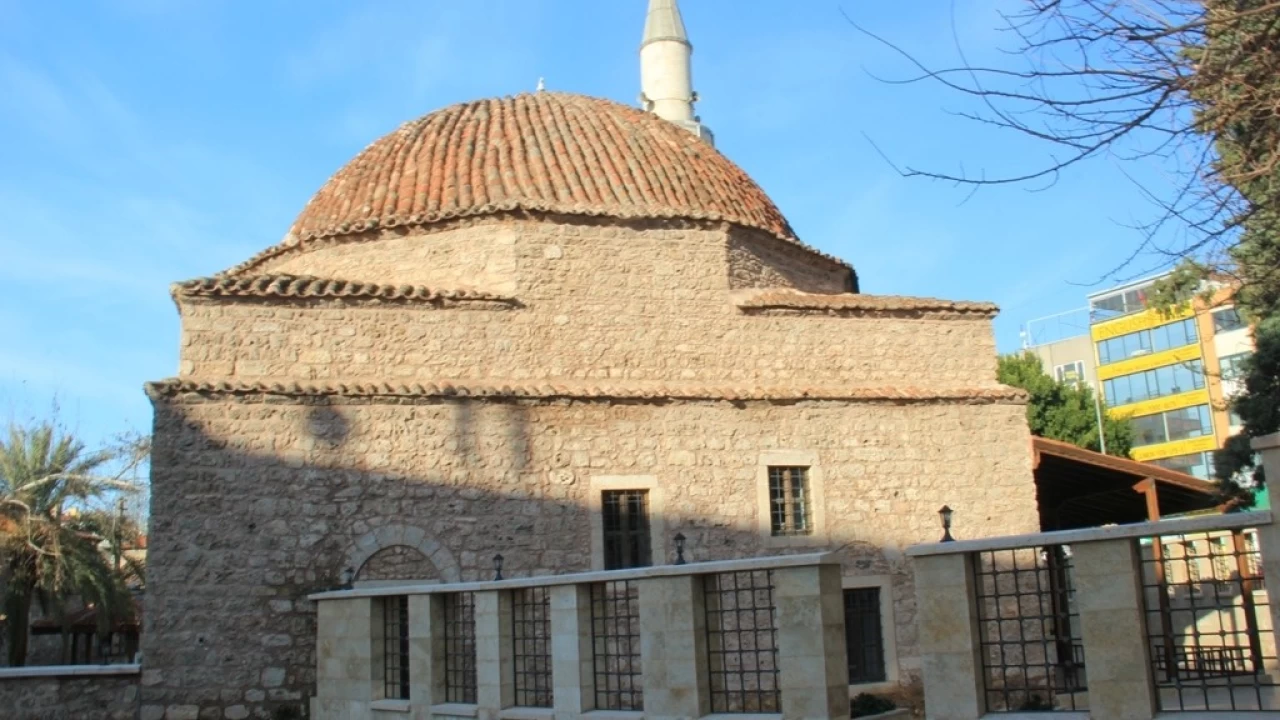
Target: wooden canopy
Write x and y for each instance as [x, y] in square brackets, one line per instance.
[1078, 488]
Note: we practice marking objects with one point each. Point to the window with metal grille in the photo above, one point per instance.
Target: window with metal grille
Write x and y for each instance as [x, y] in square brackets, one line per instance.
[789, 510]
[626, 529]
[395, 647]
[615, 640]
[460, 648]
[531, 641]
[863, 635]
[742, 642]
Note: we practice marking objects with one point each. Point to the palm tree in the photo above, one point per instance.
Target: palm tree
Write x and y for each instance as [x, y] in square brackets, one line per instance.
[46, 478]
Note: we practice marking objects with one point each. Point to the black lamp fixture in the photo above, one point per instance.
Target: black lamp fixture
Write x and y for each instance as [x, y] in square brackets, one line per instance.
[497, 566]
[679, 538]
[348, 574]
[945, 514]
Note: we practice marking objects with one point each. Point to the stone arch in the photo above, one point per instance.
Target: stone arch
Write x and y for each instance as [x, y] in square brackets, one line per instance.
[400, 540]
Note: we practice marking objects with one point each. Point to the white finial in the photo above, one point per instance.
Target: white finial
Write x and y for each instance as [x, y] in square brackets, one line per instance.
[666, 68]
[542, 84]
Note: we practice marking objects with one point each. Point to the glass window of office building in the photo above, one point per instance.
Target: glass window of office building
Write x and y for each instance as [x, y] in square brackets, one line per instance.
[1167, 380]
[1180, 424]
[1144, 342]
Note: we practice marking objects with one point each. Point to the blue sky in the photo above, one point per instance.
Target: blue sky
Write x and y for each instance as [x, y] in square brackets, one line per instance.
[148, 141]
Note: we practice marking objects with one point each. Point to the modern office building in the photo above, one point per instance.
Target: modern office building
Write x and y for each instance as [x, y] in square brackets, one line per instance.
[1172, 373]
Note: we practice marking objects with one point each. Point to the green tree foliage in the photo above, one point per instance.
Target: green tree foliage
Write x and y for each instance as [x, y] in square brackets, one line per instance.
[1060, 411]
[50, 532]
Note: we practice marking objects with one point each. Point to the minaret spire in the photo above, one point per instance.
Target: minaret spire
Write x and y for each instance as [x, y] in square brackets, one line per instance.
[666, 68]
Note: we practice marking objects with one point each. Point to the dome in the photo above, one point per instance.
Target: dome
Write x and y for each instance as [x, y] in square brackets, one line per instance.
[549, 152]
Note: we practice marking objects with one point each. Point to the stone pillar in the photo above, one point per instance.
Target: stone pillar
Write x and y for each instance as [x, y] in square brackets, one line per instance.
[1268, 446]
[426, 654]
[673, 648]
[947, 614]
[1108, 584]
[572, 657]
[812, 661]
[345, 635]
[495, 666]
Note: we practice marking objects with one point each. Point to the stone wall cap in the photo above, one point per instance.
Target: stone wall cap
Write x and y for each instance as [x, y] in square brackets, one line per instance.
[777, 562]
[47, 671]
[1266, 442]
[586, 390]
[858, 303]
[1176, 526]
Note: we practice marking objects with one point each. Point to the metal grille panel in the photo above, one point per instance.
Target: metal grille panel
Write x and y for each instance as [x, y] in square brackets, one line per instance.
[395, 647]
[1032, 654]
[626, 529]
[1208, 623]
[460, 648]
[615, 640]
[531, 639]
[742, 642]
[864, 636]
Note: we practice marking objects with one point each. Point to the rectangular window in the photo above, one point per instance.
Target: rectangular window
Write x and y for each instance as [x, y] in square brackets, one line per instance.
[1071, 373]
[395, 647]
[864, 635]
[1173, 425]
[1167, 380]
[1233, 366]
[1198, 464]
[1144, 342]
[789, 509]
[626, 529]
[1226, 320]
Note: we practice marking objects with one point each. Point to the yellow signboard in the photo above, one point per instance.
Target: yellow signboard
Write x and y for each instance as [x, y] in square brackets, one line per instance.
[1149, 362]
[1147, 453]
[1159, 405]
[1138, 321]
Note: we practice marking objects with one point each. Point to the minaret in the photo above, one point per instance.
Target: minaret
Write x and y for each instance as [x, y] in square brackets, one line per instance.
[666, 69]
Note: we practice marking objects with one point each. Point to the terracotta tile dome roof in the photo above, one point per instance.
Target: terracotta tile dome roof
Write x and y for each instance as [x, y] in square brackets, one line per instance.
[549, 152]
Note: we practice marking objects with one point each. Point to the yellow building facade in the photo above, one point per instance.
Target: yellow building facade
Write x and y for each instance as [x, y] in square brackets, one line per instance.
[1172, 373]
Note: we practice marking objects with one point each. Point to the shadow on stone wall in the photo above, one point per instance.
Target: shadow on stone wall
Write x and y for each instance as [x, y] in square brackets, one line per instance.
[243, 528]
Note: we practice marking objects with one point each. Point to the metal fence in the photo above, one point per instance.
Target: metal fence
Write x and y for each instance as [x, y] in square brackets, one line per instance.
[1208, 623]
[460, 647]
[531, 646]
[742, 642]
[615, 642]
[1031, 649]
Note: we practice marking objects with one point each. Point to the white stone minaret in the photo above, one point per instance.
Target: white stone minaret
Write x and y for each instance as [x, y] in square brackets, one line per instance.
[666, 69]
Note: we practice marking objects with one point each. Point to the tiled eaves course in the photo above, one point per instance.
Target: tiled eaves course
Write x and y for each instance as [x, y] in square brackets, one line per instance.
[284, 287]
[181, 389]
[796, 302]
[305, 287]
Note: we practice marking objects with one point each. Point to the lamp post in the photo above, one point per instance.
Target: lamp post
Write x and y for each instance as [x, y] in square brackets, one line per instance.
[945, 514]
[497, 566]
[679, 538]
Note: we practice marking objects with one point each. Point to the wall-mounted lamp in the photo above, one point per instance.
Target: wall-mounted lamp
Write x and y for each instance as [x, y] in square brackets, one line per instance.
[348, 575]
[679, 538]
[497, 566]
[945, 514]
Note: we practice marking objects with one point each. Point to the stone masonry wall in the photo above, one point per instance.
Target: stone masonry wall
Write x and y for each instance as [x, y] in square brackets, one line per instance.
[110, 697]
[259, 501]
[759, 261]
[600, 302]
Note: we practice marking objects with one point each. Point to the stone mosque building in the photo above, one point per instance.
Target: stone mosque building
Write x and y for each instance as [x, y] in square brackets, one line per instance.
[563, 330]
